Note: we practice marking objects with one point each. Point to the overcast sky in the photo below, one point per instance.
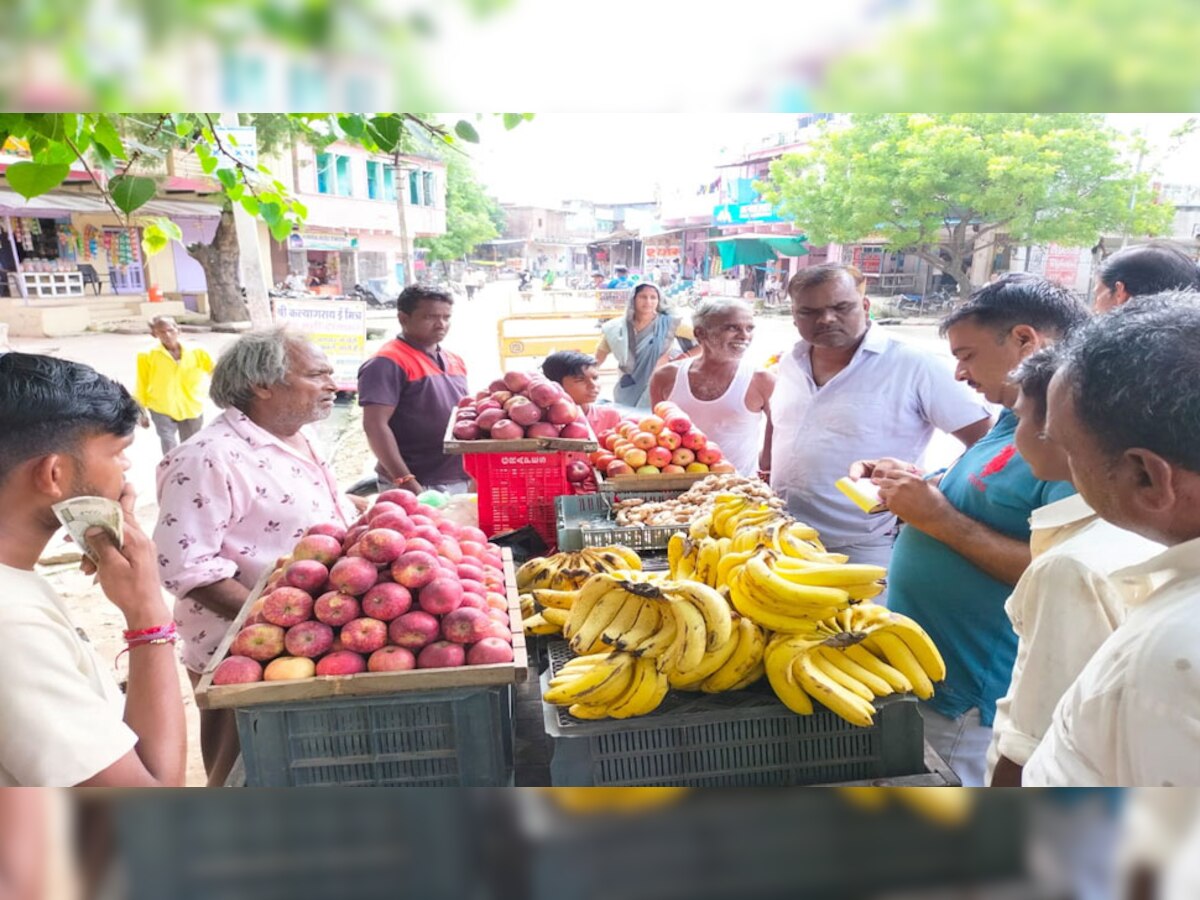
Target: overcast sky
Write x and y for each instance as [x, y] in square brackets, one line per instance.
[611, 157]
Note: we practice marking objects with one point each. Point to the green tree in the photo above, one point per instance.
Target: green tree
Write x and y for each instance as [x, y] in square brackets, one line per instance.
[124, 153]
[470, 214]
[946, 186]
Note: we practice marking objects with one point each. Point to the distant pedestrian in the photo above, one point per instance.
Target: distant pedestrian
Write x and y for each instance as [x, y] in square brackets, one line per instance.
[1150, 268]
[170, 383]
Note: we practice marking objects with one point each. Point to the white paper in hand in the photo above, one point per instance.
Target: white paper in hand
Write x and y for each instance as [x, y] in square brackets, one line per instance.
[81, 513]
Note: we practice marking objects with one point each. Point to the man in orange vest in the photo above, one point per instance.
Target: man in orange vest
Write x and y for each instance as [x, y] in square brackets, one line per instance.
[408, 392]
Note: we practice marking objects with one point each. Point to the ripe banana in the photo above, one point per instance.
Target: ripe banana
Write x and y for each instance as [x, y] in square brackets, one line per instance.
[603, 683]
[646, 691]
[751, 604]
[718, 621]
[749, 643]
[675, 550]
[593, 590]
[836, 674]
[779, 661]
[901, 657]
[825, 575]
[648, 621]
[788, 598]
[685, 654]
[586, 633]
[919, 643]
[535, 624]
[710, 663]
[554, 599]
[850, 706]
[555, 616]
[889, 674]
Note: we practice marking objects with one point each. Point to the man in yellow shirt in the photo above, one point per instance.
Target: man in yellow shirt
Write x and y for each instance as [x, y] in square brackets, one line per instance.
[170, 380]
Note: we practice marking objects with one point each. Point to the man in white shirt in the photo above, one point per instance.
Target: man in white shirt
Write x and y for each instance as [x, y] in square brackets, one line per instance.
[63, 720]
[1126, 405]
[1065, 605]
[846, 392]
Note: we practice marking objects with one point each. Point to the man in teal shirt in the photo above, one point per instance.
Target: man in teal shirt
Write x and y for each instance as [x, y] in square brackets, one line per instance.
[966, 537]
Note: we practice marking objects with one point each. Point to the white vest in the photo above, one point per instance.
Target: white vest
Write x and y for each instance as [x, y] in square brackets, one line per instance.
[735, 429]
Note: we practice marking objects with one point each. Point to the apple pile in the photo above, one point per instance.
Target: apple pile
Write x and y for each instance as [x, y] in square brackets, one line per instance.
[664, 443]
[518, 406]
[403, 588]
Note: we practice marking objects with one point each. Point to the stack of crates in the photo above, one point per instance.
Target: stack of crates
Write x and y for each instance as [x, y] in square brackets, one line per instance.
[518, 488]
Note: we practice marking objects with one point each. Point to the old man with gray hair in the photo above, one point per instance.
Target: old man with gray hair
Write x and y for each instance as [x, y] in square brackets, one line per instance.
[726, 396]
[238, 495]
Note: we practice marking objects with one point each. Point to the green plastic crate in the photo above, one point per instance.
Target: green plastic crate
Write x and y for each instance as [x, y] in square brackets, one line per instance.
[460, 737]
[739, 739]
[583, 522]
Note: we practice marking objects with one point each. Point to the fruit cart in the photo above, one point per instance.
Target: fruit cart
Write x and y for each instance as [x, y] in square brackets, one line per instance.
[417, 728]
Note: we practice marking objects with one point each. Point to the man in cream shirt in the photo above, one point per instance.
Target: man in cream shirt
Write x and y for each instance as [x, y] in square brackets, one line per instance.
[1126, 405]
[1065, 605]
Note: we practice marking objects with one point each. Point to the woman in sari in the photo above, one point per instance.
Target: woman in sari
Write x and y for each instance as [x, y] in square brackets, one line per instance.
[646, 337]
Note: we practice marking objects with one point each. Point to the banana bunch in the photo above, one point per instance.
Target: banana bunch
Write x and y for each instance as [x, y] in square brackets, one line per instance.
[545, 610]
[615, 685]
[847, 660]
[570, 569]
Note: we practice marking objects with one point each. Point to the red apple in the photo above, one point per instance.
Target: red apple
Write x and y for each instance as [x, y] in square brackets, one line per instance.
[364, 635]
[489, 650]
[324, 548]
[464, 625]
[238, 670]
[415, 569]
[287, 606]
[496, 600]
[471, 533]
[309, 639]
[440, 596]
[352, 575]
[306, 574]
[414, 629]
[469, 568]
[694, 440]
[386, 601]
[449, 548]
[382, 545]
[341, 662]
[441, 655]
[391, 659]
[724, 467]
[383, 508]
[669, 440]
[709, 454]
[260, 642]
[659, 456]
[336, 608]
[422, 544]
[618, 467]
[683, 457]
[652, 424]
[329, 529]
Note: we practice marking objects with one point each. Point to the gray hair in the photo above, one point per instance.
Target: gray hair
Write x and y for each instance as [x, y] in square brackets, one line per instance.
[256, 359]
[716, 307]
[1135, 377]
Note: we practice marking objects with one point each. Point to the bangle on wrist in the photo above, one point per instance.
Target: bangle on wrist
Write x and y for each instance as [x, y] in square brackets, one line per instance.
[404, 479]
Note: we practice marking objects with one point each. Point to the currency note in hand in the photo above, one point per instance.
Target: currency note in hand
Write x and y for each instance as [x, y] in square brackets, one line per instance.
[81, 513]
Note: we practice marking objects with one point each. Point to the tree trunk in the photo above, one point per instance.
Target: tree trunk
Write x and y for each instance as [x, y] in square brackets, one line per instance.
[406, 251]
[219, 259]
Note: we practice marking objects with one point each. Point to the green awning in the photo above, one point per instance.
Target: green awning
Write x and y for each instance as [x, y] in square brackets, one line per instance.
[752, 249]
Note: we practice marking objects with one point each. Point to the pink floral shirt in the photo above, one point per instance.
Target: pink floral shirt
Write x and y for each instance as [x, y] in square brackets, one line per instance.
[232, 500]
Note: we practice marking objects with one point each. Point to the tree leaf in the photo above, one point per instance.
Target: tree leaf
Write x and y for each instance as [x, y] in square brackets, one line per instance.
[129, 192]
[271, 212]
[280, 229]
[227, 178]
[153, 240]
[353, 125]
[49, 125]
[105, 135]
[466, 131]
[512, 120]
[30, 179]
[250, 204]
[387, 131]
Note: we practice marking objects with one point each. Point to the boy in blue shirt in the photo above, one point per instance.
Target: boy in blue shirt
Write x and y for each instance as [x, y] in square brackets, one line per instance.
[966, 537]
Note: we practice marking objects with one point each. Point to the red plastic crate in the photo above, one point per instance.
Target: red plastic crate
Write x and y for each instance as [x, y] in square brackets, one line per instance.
[518, 488]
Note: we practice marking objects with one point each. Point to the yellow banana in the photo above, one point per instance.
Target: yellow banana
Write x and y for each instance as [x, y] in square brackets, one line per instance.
[778, 660]
[730, 561]
[825, 575]
[749, 644]
[701, 527]
[587, 632]
[535, 624]
[555, 616]
[586, 712]
[675, 552]
[901, 657]
[661, 640]
[554, 599]
[920, 643]
[793, 599]
[592, 591]
[706, 564]
[687, 651]
[865, 591]
[623, 620]
[646, 691]
[718, 622]
[851, 707]
[754, 675]
[687, 562]
[752, 607]
[710, 663]
[889, 674]
[596, 686]
[835, 673]
[535, 572]
[648, 621]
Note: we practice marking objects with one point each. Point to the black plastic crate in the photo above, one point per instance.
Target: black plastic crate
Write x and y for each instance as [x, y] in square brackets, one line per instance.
[738, 739]
[460, 737]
